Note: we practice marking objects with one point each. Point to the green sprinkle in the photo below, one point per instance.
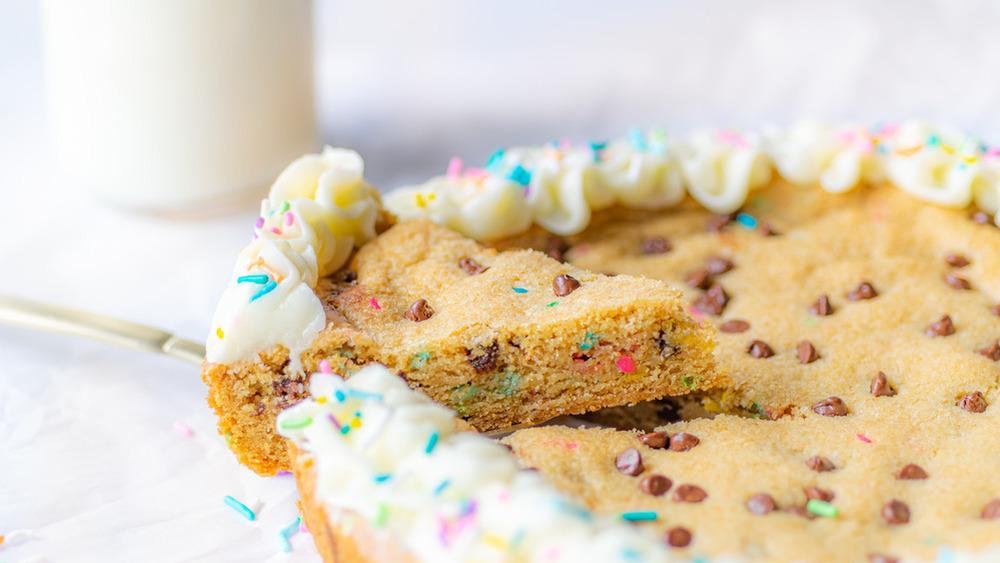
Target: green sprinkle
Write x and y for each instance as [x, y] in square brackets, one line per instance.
[285, 207]
[821, 508]
[590, 341]
[519, 290]
[381, 515]
[690, 381]
[298, 423]
[761, 414]
[553, 304]
[507, 383]
[640, 516]
[809, 321]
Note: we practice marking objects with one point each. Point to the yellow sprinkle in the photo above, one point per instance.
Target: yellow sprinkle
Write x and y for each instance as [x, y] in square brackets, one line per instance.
[947, 149]
[355, 423]
[495, 540]
[219, 333]
[321, 400]
[420, 201]
[431, 197]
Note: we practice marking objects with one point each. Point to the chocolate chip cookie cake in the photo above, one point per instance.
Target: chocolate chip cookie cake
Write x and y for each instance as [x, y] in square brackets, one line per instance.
[810, 316]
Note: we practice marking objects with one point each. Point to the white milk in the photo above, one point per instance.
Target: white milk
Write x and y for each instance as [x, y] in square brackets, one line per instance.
[179, 105]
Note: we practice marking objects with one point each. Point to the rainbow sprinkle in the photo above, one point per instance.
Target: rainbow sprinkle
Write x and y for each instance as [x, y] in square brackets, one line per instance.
[300, 423]
[287, 532]
[440, 488]
[520, 175]
[454, 168]
[432, 442]
[864, 438]
[495, 161]
[268, 288]
[183, 429]
[324, 367]
[220, 333]
[626, 364]
[553, 304]
[636, 139]
[256, 278]
[374, 304]
[821, 508]
[640, 516]
[239, 507]
[381, 515]
[747, 221]
[519, 290]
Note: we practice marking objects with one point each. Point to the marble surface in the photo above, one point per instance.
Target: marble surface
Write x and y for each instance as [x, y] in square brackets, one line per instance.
[91, 466]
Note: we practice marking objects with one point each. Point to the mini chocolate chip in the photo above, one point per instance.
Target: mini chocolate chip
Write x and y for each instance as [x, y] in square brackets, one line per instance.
[820, 464]
[759, 349]
[556, 248]
[992, 352]
[911, 472]
[831, 406]
[682, 442]
[982, 217]
[973, 402]
[767, 229]
[816, 493]
[483, 359]
[419, 311]
[629, 462]
[717, 265]
[564, 284]
[713, 301]
[956, 260]
[689, 493]
[717, 223]
[896, 512]
[881, 558]
[807, 352]
[699, 278]
[655, 440]
[865, 290]
[734, 326]
[761, 504]
[655, 484]
[821, 306]
[941, 327]
[470, 266]
[991, 511]
[995, 310]
[801, 511]
[678, 537]
[881, 386]
[957, 281]
[655, 245]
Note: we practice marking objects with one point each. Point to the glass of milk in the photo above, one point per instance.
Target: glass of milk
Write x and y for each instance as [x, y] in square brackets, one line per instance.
[179, 106]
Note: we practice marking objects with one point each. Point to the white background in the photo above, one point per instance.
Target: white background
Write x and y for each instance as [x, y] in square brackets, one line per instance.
[90, 467]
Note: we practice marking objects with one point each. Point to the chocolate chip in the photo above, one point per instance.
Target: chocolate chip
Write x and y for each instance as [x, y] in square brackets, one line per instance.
[896, 512]
[957, 281]
[419, 311]
[865, 290]
[831, 406]
[564, 284]
[655, 440]
[761, 504]
[992, 352]
[991, 511]
[941, 327]
[470, 266]
[956, 260]
[556, 248]
[807, 352]
[821, 306]
[682, 442]
[717, 265]
[995, 310]
[699, 278]
[483, 359]
[820, 464]
[982, 217]
[678, 537]
[767, 229]
[689, 493]
[816, 493]
[801, 511]
[881, 386]
[880, 558]
[973, 402]
[655, 484]
[655, 245]
[734, 326]
[759, 349]
[717, 223]
[713, 301]
[629, 462]
[911, 472]
[345, 276]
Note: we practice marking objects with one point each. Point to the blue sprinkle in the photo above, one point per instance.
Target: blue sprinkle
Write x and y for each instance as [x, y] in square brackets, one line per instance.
[363, 395]
[933, 140]
[239, 507]
[636, 139]
[340, 396]
[440, 488]
[597, 147]
[519, 290]
[382, 478]
[945, 555]
[631, 554]
[568, 508]
[746, 220]
[264, 290]
[345, 429]
[286, 532]
[259, 278]
[495, 160]
[882, 148]
[431, 442]
[520, 175]
[640, 516]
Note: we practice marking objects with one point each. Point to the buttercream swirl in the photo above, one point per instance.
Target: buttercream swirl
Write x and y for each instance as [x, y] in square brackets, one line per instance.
[392, 456]
[318, 211]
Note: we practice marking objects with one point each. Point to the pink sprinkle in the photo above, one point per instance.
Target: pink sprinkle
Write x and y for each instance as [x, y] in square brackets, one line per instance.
[302, 528]
[864, 439]
[374, 303]
[324, 367]
[276, 230]
[454, 168]
[183, 429]
[626, 364]
[698, 316]
[845, 136]
[992, 152]
[259, 223]
[565, 144]
[732, 138]
[476, 173]
[888, 129]
[289, 218]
